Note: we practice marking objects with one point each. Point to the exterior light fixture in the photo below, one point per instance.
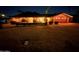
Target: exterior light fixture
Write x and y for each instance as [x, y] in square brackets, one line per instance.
[3, 15]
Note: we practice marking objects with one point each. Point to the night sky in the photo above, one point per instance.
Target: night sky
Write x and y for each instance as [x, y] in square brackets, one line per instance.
[13, 10]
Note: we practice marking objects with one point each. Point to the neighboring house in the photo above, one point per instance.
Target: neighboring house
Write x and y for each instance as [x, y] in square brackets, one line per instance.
[39, 18]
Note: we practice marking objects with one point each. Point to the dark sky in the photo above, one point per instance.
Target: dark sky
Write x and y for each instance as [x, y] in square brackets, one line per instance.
[12, 10]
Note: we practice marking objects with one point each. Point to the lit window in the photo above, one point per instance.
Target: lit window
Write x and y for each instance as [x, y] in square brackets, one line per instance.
[62, 18]
[56, 18]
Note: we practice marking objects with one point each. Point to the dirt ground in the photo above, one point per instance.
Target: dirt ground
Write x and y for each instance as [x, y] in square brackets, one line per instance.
[51, 38]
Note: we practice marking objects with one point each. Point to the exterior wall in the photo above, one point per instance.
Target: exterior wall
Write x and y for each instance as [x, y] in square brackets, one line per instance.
[15, 19]
[20, 19]
[41, 19]
[48, 19]
[35, 20]
[61, 18]
[30, 19]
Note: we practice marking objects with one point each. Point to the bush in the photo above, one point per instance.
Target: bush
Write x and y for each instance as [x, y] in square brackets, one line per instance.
[50, 22]
[56, 22]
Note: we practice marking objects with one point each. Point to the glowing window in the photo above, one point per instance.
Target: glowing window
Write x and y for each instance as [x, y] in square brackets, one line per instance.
[56, 18]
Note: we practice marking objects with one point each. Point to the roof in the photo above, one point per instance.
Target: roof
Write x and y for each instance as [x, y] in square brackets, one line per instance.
[32, 14]
[24, 14]
[63, 13]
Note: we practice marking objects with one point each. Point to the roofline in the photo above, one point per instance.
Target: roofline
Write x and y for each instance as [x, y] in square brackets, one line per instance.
[44, 15]
[65, 14]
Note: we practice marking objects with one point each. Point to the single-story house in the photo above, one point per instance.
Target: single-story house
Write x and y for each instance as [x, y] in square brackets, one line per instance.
[29, 17]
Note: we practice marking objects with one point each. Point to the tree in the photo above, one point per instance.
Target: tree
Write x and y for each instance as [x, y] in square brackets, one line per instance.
[76, 17]
[2, 19]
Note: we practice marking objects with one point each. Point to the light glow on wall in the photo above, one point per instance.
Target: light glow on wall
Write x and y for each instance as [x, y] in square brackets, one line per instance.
[41, 19]
[61, 18]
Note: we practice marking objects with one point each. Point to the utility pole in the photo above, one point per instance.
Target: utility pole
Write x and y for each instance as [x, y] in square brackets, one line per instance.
[46, 12]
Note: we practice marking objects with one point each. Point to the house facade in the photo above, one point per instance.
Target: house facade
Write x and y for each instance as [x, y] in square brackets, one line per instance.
[60, 18]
